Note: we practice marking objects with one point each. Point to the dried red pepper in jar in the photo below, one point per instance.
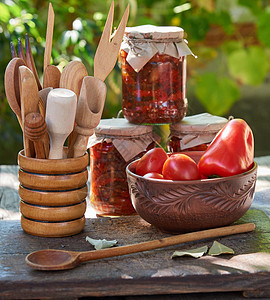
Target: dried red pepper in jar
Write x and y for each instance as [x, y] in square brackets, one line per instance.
[194, 133]
[153, 64]
[115, 144]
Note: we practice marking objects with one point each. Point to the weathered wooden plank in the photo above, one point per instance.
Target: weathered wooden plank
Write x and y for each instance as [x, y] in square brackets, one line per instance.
[147, 273]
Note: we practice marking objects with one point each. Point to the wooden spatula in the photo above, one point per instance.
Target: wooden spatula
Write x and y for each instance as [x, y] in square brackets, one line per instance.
[29, 101]
[60, 117]
[89, 111]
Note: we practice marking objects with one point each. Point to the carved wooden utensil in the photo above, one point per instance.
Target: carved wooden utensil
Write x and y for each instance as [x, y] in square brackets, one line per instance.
[29, 101]
[27, 58]
[72, 76]
[107, 50]
[51, 259]
[60, 117]
[89, 110]
[51, 77]
[35, 130]
[51, 74]
[49, 38]
[12, 86]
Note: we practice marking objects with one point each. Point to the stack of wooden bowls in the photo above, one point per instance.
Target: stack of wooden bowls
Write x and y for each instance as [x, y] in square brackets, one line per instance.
[53, 194]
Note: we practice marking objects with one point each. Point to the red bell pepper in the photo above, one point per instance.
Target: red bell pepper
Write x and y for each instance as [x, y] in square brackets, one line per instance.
[231, 152]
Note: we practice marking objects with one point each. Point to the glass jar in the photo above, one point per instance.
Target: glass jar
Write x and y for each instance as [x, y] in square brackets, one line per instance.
[194, 133]
[116, 143]
[153, 66]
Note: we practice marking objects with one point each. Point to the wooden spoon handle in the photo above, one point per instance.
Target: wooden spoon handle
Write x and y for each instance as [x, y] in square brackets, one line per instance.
[35, 129]
[165, 242]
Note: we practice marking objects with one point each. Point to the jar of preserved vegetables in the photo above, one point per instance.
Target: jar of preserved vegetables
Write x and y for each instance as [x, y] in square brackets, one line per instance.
[153, 65]
[194, 133]
[115, 143]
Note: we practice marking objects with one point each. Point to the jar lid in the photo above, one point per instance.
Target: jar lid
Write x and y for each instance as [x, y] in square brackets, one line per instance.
[121, 127]
[154, 32]
[204, 122]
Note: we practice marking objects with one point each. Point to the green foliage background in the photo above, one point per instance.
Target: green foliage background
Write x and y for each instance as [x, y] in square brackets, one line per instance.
[230, 37]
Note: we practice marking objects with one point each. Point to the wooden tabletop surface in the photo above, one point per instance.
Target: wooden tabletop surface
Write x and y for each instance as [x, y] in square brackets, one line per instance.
[147, 273]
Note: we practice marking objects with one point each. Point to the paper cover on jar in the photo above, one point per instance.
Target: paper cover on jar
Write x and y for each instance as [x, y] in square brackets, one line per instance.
[197, 129]
[129, 139]
[143, 42]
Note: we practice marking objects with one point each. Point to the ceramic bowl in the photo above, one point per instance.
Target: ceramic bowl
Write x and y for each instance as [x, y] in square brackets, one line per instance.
[183, 206]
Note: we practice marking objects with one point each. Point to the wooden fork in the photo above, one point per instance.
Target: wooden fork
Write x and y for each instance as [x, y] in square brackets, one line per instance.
[27, 56]
[107, 50]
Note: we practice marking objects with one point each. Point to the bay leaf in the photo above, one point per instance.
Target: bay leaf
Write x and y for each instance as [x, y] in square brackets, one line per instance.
[218, 249]
[101, 244]
[196, 253]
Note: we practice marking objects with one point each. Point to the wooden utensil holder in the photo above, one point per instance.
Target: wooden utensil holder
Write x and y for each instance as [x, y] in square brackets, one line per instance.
[52, 193]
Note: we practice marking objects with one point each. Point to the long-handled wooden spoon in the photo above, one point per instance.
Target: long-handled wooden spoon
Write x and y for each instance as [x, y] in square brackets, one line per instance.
[12, 86]
[29, 101]
[72, 78]
[89, 110]
[51, 259]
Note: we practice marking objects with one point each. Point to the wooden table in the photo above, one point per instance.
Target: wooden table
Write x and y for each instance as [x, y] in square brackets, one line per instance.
[148, 273]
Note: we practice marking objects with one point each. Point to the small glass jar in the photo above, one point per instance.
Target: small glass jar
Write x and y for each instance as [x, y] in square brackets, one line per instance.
[115, 144]
[153, 65]
[194, 133]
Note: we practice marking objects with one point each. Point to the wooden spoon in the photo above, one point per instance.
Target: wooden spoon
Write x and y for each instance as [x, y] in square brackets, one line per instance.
[72, 76]
[12, 86]
[60, 118]
[51, 77]
[89, 111]
[51, 259]
[29, 101]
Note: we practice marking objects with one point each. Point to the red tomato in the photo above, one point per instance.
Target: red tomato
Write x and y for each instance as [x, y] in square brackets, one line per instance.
[180, 167]
[151, 161]
[153, 175]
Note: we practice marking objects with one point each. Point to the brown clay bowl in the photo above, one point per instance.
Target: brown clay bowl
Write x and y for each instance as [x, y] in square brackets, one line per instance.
[183, 206]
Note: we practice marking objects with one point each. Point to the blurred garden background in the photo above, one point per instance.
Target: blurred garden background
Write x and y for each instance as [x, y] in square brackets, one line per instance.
[230, 37]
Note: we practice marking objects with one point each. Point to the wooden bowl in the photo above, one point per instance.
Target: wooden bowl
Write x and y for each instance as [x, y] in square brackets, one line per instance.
[53, 193]
[53, 198]
[53, 213]
[52, 229]
[182, 206]
[53, 166]
[53, 182]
